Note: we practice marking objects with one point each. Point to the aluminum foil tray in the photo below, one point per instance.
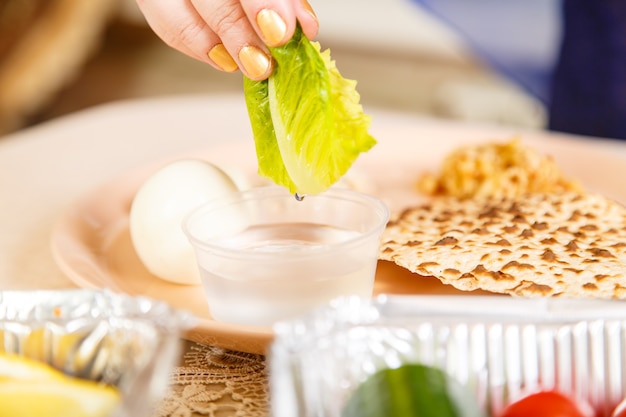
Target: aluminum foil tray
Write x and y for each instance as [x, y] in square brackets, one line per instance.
[129, 342]
[499, 347]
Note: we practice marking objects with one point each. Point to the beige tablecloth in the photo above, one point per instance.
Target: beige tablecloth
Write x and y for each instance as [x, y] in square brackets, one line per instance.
[45, 169]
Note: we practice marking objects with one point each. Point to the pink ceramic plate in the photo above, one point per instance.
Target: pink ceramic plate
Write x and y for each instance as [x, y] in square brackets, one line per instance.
[92, 245]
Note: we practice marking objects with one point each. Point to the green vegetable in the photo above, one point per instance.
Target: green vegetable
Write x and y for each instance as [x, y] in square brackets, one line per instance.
[412, 390]
[307, 122]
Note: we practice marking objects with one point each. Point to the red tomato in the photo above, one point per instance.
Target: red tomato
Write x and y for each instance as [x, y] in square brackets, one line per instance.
[620, 410]
[545, 404]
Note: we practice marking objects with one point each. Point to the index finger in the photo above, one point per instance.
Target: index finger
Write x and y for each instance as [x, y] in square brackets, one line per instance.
[275, 21]
[238, 35]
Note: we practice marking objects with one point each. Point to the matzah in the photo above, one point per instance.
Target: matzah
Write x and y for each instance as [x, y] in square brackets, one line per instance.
[565, 244]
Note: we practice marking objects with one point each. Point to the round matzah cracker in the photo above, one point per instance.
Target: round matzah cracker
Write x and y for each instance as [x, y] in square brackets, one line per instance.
[538, 245]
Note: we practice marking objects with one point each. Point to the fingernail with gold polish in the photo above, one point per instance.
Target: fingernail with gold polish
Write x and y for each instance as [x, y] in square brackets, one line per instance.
[309, 9]
[272, 26]
[222, 58]
[255, 61]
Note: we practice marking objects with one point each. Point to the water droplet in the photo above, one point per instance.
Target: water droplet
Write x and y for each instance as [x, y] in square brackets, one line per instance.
[299, 197]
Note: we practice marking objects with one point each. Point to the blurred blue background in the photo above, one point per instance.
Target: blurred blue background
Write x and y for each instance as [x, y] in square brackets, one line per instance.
[518, 38]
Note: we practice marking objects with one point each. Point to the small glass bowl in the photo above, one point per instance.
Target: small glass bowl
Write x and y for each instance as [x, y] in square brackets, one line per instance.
[129, 342]
[264, 256]
[500, 348]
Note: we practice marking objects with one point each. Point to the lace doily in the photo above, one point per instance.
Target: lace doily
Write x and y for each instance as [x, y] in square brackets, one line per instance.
[217, 383]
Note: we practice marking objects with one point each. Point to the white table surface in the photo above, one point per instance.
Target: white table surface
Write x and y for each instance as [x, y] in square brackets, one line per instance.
[44, 169]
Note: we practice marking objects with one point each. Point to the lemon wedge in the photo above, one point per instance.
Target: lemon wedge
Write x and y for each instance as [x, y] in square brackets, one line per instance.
[13, 367]
[31, 388]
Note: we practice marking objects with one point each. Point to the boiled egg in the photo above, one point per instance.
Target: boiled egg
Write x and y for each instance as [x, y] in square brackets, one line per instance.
[157, 212]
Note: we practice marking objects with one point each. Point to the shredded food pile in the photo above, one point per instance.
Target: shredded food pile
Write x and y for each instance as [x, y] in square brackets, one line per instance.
[498, 169]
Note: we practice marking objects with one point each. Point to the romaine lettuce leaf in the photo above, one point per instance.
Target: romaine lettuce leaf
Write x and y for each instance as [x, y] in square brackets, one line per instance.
[307, 122]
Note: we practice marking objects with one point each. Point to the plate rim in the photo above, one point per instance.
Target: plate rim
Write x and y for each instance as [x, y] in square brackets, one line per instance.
[258, 338]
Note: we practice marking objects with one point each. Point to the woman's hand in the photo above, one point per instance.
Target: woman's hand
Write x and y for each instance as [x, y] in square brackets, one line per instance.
[229, 34]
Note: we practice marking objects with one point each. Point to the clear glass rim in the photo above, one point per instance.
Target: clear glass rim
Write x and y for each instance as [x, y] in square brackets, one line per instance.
[375, 205]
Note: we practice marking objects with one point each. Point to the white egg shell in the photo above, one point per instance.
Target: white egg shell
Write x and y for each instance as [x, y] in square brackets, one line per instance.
[158, 210]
